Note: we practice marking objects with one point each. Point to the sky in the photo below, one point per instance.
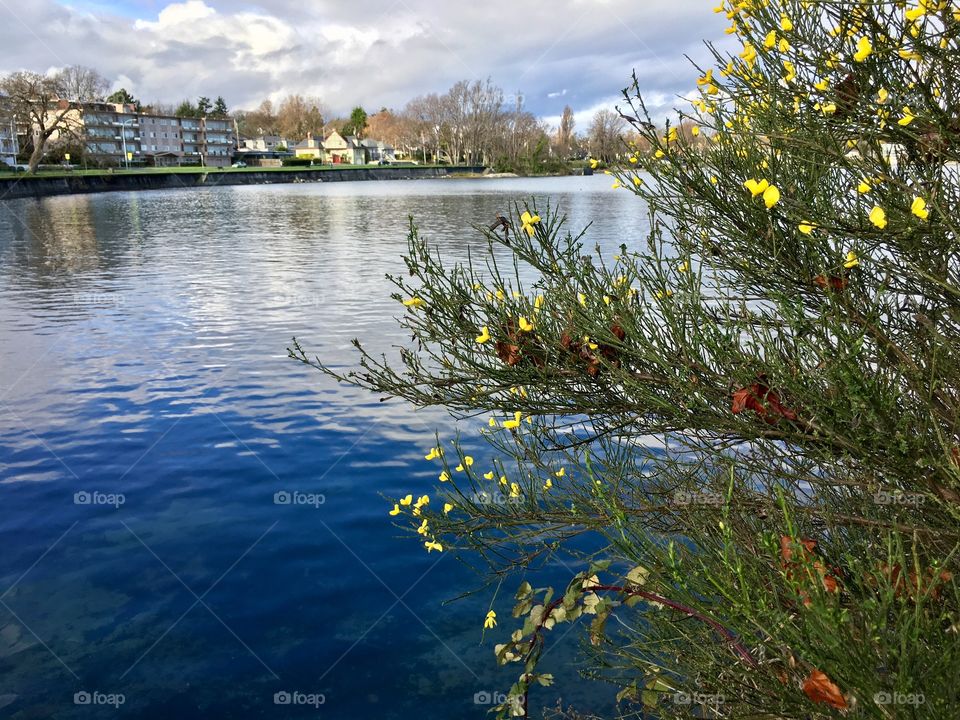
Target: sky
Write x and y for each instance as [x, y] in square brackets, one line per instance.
[373, 53]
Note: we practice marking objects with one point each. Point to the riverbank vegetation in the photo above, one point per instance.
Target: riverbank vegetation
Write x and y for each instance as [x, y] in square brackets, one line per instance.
[754, 416]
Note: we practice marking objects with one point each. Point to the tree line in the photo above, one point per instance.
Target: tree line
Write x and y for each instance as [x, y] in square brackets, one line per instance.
[474, 122]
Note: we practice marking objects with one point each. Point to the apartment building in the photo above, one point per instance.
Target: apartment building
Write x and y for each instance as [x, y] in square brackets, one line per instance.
[116, 134]
[8, 136]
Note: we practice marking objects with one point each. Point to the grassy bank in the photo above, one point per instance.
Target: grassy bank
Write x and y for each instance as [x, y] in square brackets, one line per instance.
[78, 172]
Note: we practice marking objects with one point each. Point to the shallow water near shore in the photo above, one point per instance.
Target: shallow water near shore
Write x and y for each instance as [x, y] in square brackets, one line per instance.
[151, 422]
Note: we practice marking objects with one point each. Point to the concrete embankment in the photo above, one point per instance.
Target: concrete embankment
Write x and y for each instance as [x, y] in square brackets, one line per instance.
[35, 187]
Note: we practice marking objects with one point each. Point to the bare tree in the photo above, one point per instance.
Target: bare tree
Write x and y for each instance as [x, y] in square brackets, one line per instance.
[36, 104]
[565, 133]
[604, 135]
[299, 116]
[82, 84]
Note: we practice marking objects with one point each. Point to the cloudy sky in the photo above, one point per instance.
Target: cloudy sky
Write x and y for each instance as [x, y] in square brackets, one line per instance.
[373, 53]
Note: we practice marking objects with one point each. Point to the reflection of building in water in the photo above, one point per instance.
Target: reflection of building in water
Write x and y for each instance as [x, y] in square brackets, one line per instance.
[72, 235]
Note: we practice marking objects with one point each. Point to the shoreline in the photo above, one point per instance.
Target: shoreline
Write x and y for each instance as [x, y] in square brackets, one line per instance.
[48, 186]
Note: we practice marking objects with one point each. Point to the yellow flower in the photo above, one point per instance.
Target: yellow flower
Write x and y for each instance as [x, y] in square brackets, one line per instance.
[695, 130]
[548, 484]
[433, 454]
[396, 510]
[749, 54]
[919, 208]
[791, 71]
[424, 527]
[907, 118]
[770, 40]
[672, 135]
[616, 185]
[433, 545]
[822, 85]
[560, 473]
[492, 422]
[484, 335]
[503, 480]
[491, 621]
[783, 46]
[633, 159]
[684, 266]
[594, 163]
[407, 500]
[918, 12]
[582, 299]
[864, 187]
[658, 154]
[414, 302]
[771, 196]
[785, 23]
[756, 187]
[444, 477]
[864, 49]
[882, 95]
[529, 221]
[447, 507]
[538, 303]
[514, 490]
[510, 424]
[488, 476]
[637, 181]
[878, 217]
[852, 260]
[713, 180]
[525, 325]
[806, 227]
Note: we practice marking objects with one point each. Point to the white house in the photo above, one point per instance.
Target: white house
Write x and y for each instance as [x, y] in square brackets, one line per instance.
[343, 150]
[377, 150]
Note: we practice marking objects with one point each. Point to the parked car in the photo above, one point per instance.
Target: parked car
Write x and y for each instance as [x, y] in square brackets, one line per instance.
[239, 164]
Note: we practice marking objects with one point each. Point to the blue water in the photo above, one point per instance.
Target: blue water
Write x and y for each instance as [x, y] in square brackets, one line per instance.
[143, 354]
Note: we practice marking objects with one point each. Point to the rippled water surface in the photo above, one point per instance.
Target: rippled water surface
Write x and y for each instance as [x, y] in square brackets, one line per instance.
[143, 347]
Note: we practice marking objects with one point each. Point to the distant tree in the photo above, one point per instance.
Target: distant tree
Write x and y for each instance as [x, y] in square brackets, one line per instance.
[121, 96]
[357, 124]
[262, 121]
[37, 101]
[220, 108]
[203, 106]
[604, 135]
[186, 109]
[82, 84]
[299, 116]
[565, 133]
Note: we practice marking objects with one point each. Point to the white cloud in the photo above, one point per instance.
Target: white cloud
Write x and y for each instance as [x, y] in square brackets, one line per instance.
[371, 52]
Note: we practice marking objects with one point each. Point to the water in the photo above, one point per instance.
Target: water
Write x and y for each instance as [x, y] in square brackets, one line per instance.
[143, 353]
